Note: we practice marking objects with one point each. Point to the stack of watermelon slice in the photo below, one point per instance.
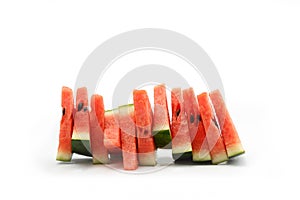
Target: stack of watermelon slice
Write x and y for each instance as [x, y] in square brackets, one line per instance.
[201, 131]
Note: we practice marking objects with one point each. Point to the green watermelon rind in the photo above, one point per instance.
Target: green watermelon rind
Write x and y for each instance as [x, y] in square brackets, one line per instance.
[114, 111]
[162, 138]
[122, 106]
[186, 156]
[81, 147]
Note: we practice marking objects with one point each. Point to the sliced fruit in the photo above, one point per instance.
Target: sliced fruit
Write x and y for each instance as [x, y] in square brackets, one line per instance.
[161, 120]
[228, 130]
[128, 137]
[81, 129]
[181, 142]
[143, 119]
[213, 134]
[64, 152]
[81, 119]
[99, 152]
[112, 135]
[196, 129]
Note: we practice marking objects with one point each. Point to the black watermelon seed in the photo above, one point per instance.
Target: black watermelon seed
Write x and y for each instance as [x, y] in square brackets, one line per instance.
[192, 118]
[85, 109]
[199, 118]
[80, 106]
[177, 112]
[146, 132]
[63, 111]
[215, 122]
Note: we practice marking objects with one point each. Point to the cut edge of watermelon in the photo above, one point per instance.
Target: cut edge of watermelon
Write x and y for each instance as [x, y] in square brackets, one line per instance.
[235, 150]
[100, 159]
[64, 156]
[219, 158]
[147, 159]
[183, 152]
[182, 149]
[202, 156]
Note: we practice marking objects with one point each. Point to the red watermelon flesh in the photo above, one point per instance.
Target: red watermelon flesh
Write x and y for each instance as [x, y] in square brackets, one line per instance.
[97, 105]
[67, 102]
[181, 142]
[161, 119]
[213, 134]
[197, 132]
[228, 130]
[64, 152]
[82, 99]
[81, 129]
[112, 135]
[99, 152]
[143, 119]
[128, 137]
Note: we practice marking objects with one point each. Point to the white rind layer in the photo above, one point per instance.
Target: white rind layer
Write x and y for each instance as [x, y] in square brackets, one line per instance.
[80, 136]
[161, 128]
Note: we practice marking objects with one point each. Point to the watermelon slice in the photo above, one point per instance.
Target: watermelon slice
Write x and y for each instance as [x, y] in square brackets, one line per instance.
[143, 118]
[81, 128]
[128, 137]
[161, 120]
[99, 152]
[64, 152]
[181, 142]
[196, 129]
[213, 134]
[112, 135]
[228, 130]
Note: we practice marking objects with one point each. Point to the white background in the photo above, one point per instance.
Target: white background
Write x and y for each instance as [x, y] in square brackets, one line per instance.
[254, 44]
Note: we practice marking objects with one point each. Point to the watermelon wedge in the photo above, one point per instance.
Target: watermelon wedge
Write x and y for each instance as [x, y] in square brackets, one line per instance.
[64, 152]
[99, 152]
[112, 135]
[128, 137]
[161, 120]
[81, 129]
[228, 130]
[143, 119]
[181, 141]
[200, 147]
[213, 134]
